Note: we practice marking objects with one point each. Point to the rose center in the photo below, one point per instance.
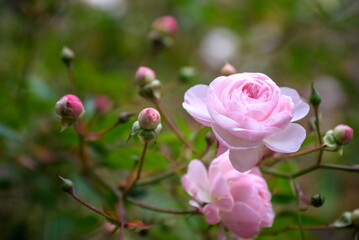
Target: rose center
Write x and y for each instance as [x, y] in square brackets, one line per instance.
[251, 90]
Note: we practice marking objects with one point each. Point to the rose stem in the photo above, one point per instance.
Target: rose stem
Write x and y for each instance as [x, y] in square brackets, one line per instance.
[172, 125]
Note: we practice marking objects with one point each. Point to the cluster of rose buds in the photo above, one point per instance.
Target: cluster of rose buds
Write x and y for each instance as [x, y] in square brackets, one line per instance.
[339, 136]
[163, 30]
[148, 125]
[150, 87]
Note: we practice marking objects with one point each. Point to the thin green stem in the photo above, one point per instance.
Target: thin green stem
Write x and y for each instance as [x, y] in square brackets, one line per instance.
[295, 227]
[158, 209]
[138, 172]
[70, 72]
[310, 169]
[173, 126]
[320, 156]
[297, 195]
[317, 125]
[89, 206]
[275, 173]
[274, 160]
[305, 171]
[156, 178]
[340, 167]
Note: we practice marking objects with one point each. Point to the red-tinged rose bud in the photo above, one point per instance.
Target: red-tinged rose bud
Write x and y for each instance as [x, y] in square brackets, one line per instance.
[69, 108]
[166, 24]
[228, 69]
[144, 75]
[343, 134]
[149, 118]
[102, 104]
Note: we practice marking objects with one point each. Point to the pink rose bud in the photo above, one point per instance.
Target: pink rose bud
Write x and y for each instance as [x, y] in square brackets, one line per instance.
[102, 103]
[228, 69]
[149, 118]
[69, 108]
[343, 134]
[166, 24]
[144, 75]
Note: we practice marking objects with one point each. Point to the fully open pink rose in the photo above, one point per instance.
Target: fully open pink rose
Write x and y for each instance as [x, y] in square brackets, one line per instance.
[248, 112]
[241, 201]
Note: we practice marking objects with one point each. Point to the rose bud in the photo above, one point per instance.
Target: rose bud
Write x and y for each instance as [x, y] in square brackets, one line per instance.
[67, 55]
[102, 103]
[355, 218]
[144, 75]
[315, 98]
[152, 90]
[149, 118]
[166, 24]
[228, 69]
[186, 74]
[69, 108]
[148, 125]
[343, 134]
[67, 185]
[317, 200]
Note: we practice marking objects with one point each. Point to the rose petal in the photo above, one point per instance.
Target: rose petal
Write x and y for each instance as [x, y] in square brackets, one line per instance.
[231, 141]
[195, 103]
[211, 212]
[220, 193]
[301, 108]
[242, 220]
[244, 160]
[288, 140]
[196, 181]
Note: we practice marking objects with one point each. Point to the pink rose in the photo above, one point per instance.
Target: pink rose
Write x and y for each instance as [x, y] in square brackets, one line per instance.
[247, 112]
[241, 201]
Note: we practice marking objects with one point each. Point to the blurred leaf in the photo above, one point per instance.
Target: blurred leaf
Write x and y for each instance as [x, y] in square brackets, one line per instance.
[125, 157]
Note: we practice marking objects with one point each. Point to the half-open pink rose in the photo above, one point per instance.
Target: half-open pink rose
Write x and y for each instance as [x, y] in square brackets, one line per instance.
[248, 112]
[240, 201]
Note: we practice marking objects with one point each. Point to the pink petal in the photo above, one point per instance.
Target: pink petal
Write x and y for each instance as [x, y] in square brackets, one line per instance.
[301, 108]
[220, 193]
[231, 141]
[195, 103]
[242, 220]
[288, 140]
[244, 160]
[196, 182]
[194, 204]
[211, 212]
[220, 84]
[268, 218]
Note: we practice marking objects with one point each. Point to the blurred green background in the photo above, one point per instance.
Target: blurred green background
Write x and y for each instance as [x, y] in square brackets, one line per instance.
[293, 42]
